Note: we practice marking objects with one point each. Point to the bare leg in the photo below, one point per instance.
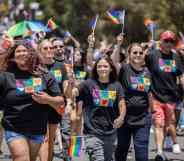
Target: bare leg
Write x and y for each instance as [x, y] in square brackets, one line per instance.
[19, 149]
[52, 134]
[33, 149]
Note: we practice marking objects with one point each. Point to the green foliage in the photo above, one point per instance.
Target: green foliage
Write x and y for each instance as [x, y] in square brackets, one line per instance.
[74, 15]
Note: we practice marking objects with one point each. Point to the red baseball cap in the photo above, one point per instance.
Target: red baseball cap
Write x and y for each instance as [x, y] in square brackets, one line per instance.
[167, 35]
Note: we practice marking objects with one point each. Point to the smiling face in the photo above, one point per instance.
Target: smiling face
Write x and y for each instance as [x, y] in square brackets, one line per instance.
[136, 55]
[59, 48]
[46, 52]
[167, 45]
[103, 69]
[77, 56]
[21, 57]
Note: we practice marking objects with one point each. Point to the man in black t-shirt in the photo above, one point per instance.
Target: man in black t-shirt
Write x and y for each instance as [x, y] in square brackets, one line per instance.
[166, 70]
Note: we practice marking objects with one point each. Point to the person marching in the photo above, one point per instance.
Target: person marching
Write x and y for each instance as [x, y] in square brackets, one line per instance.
[57, 69]
[102, 101]
[27, 92]
[166, 69]
[136, 81]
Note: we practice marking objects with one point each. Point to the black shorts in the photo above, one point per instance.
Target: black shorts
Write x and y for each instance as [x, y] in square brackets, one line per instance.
[53, 117]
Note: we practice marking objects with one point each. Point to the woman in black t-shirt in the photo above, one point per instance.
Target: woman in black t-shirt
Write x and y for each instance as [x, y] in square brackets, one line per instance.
[57, 69]
[135, 79]
[27, 91]
[102, 100]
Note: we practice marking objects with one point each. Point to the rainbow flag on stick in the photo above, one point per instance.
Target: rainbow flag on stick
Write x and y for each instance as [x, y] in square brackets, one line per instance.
[181, 36]
[151, 26]
[113, 16]
[93, 23]
[122, 19]
[51, 24]
[75, 146]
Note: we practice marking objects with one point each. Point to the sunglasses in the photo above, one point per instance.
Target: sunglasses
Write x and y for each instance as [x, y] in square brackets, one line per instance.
[137, 52]
[58, 46]
[169, 41]
[47, 48]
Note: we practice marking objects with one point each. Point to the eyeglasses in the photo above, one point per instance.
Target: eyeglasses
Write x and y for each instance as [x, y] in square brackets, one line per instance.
[169, 41]
[47, 48]
[58, 46]
[137, 52]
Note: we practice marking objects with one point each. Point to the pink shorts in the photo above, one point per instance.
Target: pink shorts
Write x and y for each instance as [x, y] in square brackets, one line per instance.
[164, 112]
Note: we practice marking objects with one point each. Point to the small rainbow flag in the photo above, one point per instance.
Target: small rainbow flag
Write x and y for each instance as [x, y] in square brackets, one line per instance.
[51, 24]
[113, 16]
[93, 23]
[178, 43]
[149, 24]
[180, 40]
[75, 146]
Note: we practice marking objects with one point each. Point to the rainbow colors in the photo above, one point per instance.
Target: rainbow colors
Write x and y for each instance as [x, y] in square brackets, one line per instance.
[166, 65]
[151, 26]
[80, 75]
[140, 83]
[113, 16]
[103, 98]
[93, 23]
[51, 24]
[75, 146]
[57, 74]
[28, 86]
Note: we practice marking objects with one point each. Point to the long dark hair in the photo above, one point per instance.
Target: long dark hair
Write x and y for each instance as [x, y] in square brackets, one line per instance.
[113, 73]
[35, 66]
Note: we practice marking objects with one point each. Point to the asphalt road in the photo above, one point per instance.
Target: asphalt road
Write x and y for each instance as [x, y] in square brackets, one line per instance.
[173, 157]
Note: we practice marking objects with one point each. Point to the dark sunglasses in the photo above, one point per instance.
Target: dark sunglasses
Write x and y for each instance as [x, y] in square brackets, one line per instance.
[47, 48]
[169, 41]
[58, 46]
[137, 52]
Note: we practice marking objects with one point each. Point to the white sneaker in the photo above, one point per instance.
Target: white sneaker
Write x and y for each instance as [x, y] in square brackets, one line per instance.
[176, 148]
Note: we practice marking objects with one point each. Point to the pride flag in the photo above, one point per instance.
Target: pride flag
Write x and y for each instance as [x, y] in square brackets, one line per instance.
[151, 26]
[113, 16]
[75, 146]
[93, 23]
[51, 24]
[180, 40]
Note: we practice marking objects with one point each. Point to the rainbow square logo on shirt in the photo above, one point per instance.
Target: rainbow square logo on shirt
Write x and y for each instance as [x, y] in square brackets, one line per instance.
[103, 98]
[80, 75]
[140, 83]
[28, 86]
[167, 65]
[57, 74]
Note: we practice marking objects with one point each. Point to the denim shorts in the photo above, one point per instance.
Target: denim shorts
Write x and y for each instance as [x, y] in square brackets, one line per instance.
[11, 135]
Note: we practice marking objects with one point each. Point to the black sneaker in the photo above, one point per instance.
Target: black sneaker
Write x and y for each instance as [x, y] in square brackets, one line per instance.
[161, 157]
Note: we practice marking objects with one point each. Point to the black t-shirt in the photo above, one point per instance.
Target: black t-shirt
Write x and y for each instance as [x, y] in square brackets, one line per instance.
[100, 103]
[136, 85]
[165, 70]
[80, 73]
[21, 113]
[57, 69]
